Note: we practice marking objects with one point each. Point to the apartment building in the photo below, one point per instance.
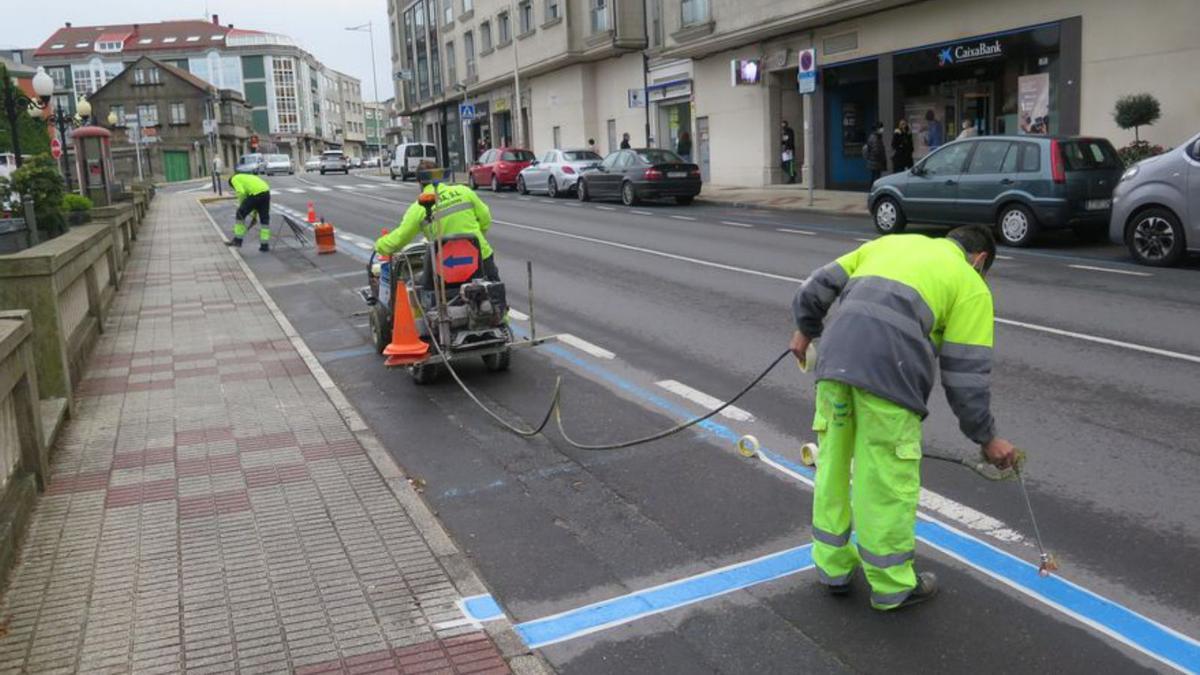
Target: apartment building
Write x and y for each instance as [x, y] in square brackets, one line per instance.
[375, 116]
[351, 119]
[288, 89]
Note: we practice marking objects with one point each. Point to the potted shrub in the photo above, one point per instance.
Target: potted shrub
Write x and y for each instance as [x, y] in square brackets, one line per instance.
[1132, 112]
[38, 178]
[76, 208]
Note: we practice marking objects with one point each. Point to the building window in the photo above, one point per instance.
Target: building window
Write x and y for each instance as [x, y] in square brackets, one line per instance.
[451, 68]
[435, 48]
[59, 75]
[694, 11]
[448, 10]
[469, 53]
[148, 114]
[504, 28]
[557, 138]
[169, 40]
[193, 38]
[178, 113]
[146, 76]
[656, 24]
[145, 41]
[85, 81]
[62, 102]
[599, 12]
[485, 34]
[287, 112]
[119, 111]
[552, 11]
[525, 16]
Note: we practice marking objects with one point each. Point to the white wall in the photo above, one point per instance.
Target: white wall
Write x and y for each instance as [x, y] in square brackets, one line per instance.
[739, 150]
[610, 84]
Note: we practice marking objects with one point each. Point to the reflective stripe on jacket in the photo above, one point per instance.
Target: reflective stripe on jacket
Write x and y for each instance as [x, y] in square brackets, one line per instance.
[458, 211]
[906, 300]
[248, 185]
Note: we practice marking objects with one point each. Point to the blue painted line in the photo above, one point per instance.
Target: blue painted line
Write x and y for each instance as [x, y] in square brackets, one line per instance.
[626, 608]
[348, 353]
[482, 608]
[1112, 619]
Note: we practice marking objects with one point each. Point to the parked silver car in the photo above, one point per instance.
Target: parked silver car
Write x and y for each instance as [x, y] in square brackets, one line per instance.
[252, 163]
[279, 164]
[557, 171]
[1156, 206]
[334, 160]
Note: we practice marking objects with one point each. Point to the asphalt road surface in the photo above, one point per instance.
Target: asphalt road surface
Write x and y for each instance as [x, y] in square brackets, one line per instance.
[604, 560]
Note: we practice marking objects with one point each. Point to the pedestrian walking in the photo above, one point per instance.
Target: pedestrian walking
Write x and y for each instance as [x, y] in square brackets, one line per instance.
[934, 134]
[625, 141]
[906, 300]
[787, 151]
[902, 147]
[968, 130]
[874, 152]
[254, 196]
[592, 146]
[683, 147]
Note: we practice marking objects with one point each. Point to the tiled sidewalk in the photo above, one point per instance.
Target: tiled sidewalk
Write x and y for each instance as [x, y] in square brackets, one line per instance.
[212, 511]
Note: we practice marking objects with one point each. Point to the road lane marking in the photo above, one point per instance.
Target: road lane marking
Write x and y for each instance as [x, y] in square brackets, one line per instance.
[734, 223]
[518, 315]
[344, 187]
[319, 188]
[683, 218]
[1191, 358]
[704, 400]
[295, 191]
[864, 240]
[641, 213]
[525, 199]
[605, 208]
[788, 230]
[585, 346]
[344, 237]
[275, 193]
[363, 245]
[1110, 270]
[369, 186]
[572, 204]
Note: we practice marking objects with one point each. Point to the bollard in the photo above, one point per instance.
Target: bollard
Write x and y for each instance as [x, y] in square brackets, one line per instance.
[326, 242]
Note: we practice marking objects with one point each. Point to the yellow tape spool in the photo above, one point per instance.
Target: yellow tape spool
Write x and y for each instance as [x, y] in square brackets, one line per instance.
[747, 446]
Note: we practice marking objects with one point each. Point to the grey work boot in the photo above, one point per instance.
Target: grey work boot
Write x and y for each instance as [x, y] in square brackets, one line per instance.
[264, 247]
[927, 587]
[236, 241]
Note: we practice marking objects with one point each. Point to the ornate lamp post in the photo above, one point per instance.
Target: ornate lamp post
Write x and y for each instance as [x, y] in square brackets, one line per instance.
[63, 120]
[15, 100]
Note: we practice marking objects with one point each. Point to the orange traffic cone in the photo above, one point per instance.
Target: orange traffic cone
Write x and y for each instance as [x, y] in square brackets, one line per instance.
[326, 242]
[312, 213]
[406, 347]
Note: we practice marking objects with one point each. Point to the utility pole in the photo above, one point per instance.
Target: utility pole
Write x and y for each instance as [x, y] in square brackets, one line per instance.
[646, 67]
[374, 81]
[513, 23]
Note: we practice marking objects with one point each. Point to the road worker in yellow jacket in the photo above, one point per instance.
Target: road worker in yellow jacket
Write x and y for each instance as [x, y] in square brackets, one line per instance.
[254, 196]
[908, 304]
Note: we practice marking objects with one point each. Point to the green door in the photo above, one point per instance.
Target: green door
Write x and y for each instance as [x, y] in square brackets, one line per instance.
[176, 165]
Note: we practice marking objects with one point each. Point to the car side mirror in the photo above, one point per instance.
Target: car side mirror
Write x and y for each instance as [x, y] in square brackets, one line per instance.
[917, 171]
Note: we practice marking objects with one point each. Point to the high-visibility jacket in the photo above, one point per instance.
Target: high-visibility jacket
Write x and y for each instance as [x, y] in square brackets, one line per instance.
[247, 185]
[906, 301]
[458, 211]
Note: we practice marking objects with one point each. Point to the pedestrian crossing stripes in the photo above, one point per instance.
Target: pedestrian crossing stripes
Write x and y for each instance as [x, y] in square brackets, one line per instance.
[319, 188]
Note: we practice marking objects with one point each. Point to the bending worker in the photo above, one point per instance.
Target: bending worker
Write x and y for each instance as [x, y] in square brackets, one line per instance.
[254, 196]
[906, 302]
[458, 211]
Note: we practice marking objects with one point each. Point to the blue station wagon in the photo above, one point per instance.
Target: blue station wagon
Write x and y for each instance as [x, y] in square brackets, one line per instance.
[1018, 184]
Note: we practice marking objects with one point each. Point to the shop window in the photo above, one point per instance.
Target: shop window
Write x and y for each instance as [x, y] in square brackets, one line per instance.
[947, 161]
[988, 157]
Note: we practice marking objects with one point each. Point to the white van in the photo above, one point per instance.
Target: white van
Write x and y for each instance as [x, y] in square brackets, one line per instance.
[408, 156]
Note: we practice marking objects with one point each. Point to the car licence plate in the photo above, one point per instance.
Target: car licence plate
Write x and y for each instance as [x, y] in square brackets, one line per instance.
[676, 174]
[1098, 204]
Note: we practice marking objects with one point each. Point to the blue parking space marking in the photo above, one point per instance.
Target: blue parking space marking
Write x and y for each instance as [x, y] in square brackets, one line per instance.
[623, 609]
[481, 608]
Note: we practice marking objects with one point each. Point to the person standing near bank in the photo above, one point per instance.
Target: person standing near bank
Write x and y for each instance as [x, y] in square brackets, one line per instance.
[254, 196]
[875, 154]
[902, 147]
[787, 151]
[683, 147]
[908, 304]
[625, 141]
[968, 130]
[935, 136]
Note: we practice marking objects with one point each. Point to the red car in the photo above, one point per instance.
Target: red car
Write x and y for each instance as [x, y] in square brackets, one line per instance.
[498, 167]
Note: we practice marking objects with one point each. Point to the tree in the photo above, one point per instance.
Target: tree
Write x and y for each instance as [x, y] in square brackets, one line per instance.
[38, 178]
[33, 136]
[1136, 110]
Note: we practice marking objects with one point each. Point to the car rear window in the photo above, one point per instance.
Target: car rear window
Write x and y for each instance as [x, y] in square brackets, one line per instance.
[412, 151]
[656, 156]
[580, 156]
[517, 156]
[279, 158]
[1090, 153]
[332, 154]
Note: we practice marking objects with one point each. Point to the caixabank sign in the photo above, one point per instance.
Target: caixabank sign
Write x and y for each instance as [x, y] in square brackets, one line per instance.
[971, 51]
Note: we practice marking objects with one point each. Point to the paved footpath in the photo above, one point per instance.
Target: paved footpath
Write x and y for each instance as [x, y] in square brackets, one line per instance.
[215, 505]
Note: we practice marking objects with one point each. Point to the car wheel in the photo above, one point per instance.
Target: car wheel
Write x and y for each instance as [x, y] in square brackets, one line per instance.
[495, 184]
[1016, 226]
[888, 216]
[552, 188]
[684, 200]
[521, 185]
[381, 329]
[628, 194]
[471, 182]
[1155, 238]
[581, 191]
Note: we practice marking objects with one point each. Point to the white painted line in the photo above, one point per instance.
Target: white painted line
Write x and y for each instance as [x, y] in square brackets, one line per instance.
[606, 208]
[683, 217]
[296, 191]
[343, 237]
[861, 239]
[1110, 270]
[734, 223]
[319, 188]
[1191, 358]
[364, 246]
[367, 185]
[525, 199]
[641, 213]
[519, 316]
[344, 187]
[274, 193]
[1003, 257]
[572, 204]
[788, 230]
[585, 346]
[456, 623]
[704, 400]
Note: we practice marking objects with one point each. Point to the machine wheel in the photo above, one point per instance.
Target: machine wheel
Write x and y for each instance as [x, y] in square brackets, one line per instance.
[381, 330]
[1016, 226]
[552, 188]
[888, 216]
[684, 200]
[521, 185]
[425, 373]
[1155, 238]
[495, 183]
[628, 194]
[498, 363]
[581, 191]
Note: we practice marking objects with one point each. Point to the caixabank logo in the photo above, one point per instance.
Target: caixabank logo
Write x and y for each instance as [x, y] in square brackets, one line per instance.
[984, 49]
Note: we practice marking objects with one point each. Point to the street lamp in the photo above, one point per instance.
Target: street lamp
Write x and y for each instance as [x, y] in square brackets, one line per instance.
[369, 28]
[15, 100]
[62, 120]
[112, 118]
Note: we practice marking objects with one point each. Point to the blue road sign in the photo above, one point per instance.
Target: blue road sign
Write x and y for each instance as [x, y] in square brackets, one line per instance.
[466, 111]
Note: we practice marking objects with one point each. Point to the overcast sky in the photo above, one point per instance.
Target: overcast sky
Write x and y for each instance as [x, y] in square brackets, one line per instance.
[317, 25]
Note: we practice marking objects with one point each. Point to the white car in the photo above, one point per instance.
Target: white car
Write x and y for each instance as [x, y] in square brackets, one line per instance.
[312, 164]
[557, 171]
[279, 164]
[408, 156]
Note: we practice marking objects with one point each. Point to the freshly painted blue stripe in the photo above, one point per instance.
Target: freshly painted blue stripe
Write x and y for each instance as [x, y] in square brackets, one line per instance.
[626, 608]
[350, 352]
[1107, 616]
[482, 608]
[1120, 622]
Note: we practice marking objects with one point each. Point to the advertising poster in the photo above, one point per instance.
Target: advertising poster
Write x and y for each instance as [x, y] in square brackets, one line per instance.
[1033, 103]
[927, 133]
